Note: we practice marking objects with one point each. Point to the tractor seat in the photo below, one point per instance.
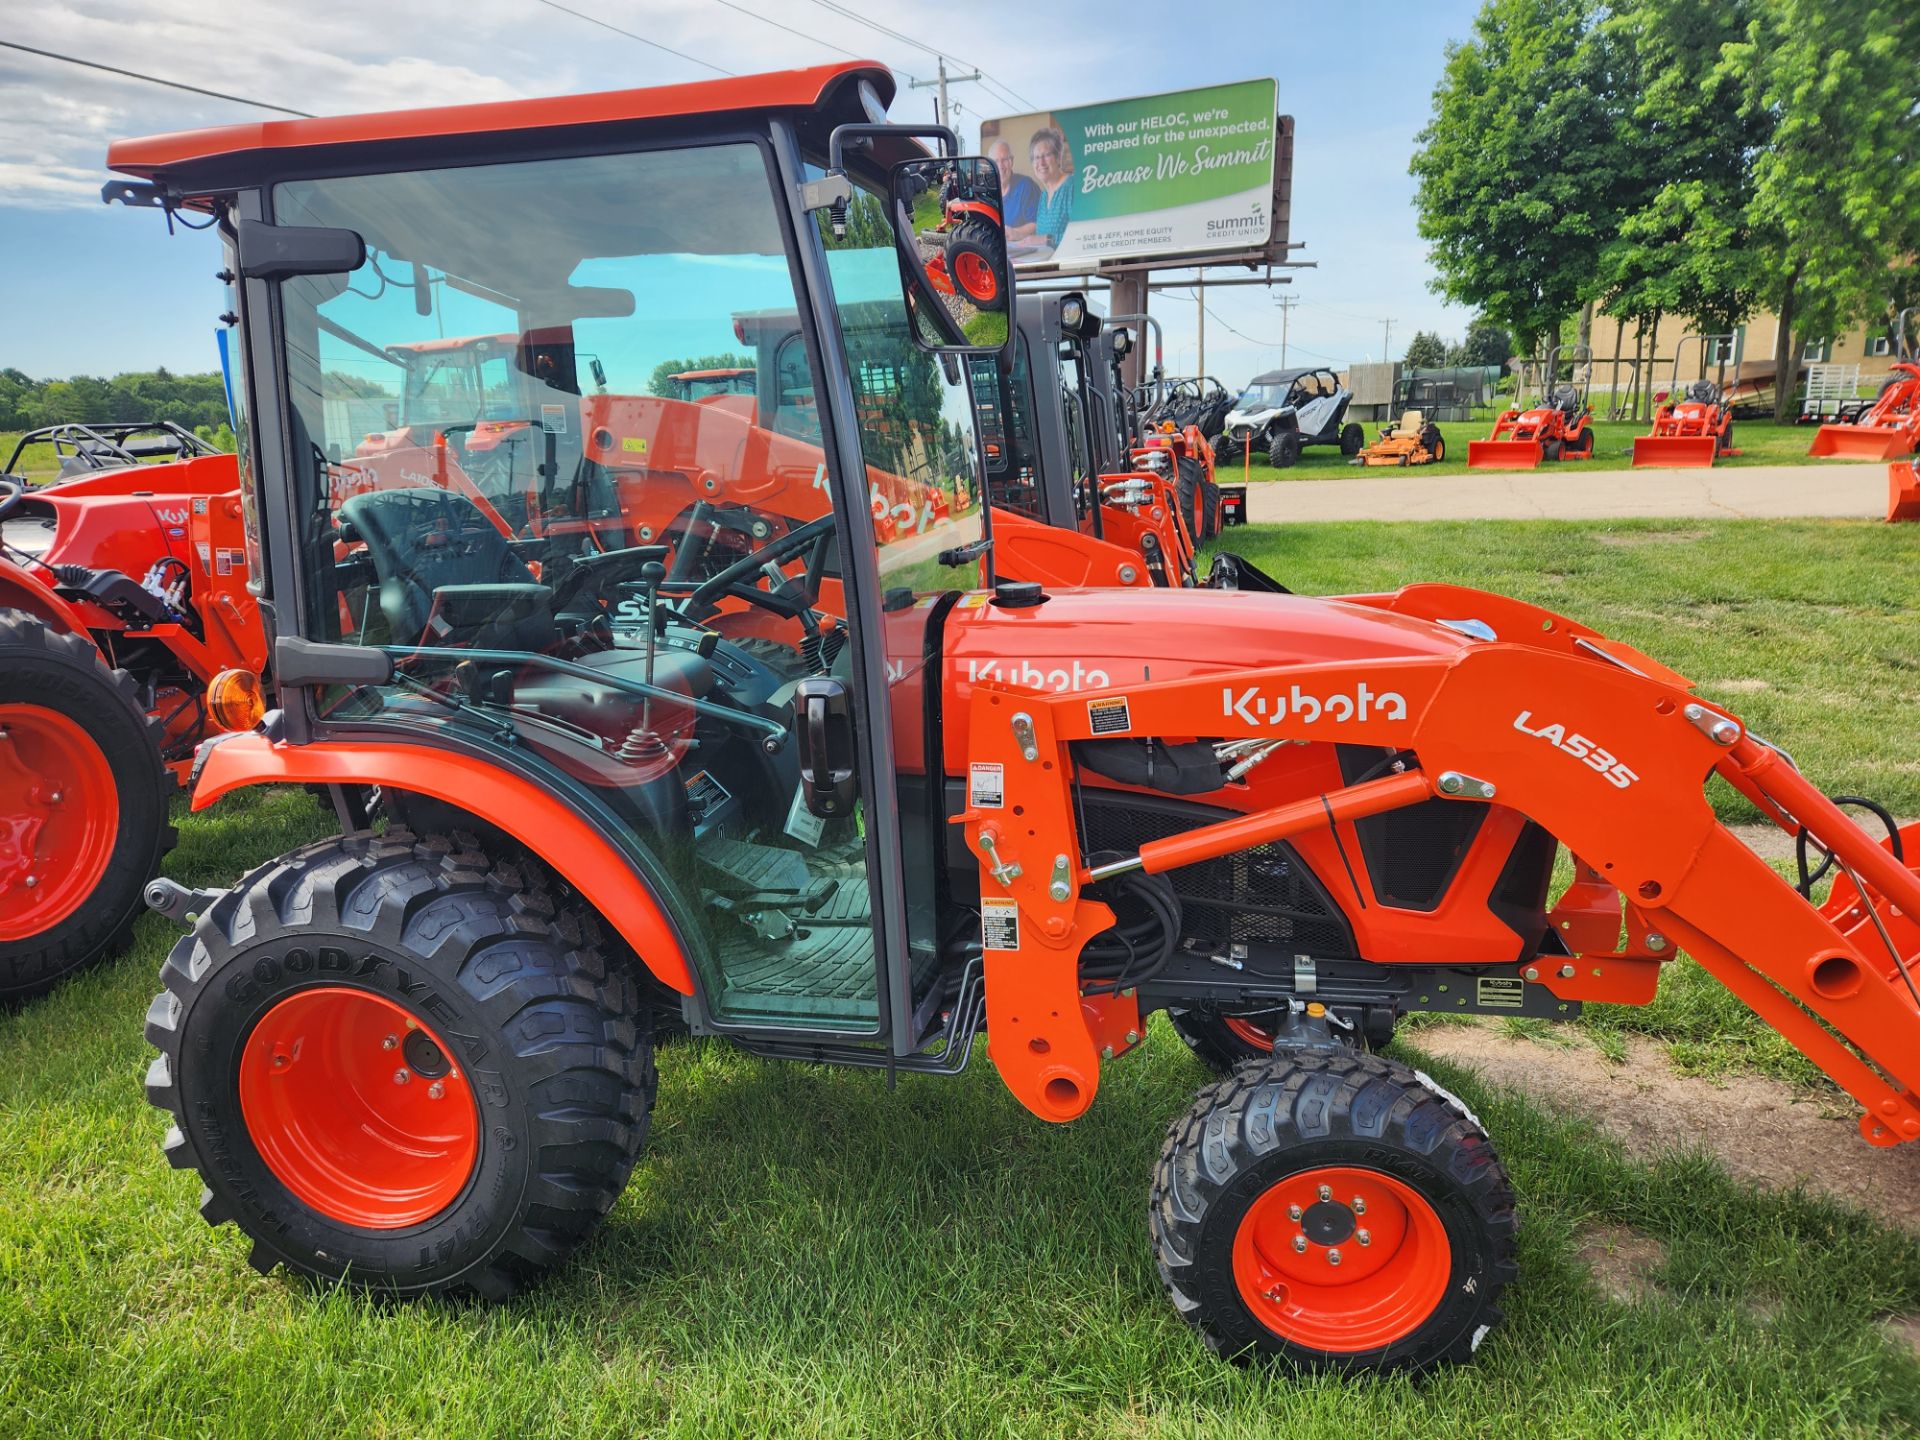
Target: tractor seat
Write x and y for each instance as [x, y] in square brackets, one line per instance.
[441, 566]
[1703, 392]
[1410, 423]
[1566, 400]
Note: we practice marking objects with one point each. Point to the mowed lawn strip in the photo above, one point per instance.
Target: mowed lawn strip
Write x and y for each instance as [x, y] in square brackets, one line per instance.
[802, 1251]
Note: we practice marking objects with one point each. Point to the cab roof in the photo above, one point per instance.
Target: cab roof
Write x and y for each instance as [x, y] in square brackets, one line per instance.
[185, 158]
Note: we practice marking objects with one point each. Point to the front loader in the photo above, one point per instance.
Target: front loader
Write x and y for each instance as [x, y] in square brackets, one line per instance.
[1890, 427]
[1557, 426]
[806, 796]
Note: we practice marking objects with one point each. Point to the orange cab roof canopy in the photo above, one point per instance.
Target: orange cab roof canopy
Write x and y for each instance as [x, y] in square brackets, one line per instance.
[186, 156]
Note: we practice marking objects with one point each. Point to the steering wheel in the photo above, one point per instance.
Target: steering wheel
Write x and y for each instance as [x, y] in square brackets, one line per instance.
[12, 491]
[737, 579]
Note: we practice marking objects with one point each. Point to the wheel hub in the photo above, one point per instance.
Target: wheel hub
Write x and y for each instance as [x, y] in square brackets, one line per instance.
[59, 818]
[1341, 1259]
[364, 1126]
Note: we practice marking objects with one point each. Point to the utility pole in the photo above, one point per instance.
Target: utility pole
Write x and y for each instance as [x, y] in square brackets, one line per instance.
[1286, 304]
[1386, 342]
[1200, 304]
[940, 111]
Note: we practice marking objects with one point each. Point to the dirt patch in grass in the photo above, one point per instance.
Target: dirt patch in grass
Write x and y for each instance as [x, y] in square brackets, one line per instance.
[1747, 686]
[1633, 539]
[1904, 1330]
[1622, 1260]
[1760, 1130]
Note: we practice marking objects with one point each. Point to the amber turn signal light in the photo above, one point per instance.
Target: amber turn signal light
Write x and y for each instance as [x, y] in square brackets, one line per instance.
[235, 700]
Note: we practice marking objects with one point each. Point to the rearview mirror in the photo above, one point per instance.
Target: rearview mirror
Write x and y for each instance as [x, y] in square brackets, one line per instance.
[953, 252]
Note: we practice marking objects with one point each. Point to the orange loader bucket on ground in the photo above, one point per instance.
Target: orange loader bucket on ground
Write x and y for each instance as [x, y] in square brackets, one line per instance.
[1677, 451]
[1862, 442]
[1903, 490]
[1504, 454]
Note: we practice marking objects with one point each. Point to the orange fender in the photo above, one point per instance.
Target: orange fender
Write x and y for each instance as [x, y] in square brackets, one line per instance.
[537, 819]
[20, 591]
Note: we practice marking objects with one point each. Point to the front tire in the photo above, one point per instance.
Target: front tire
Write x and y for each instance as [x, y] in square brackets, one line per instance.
[83, 806]
[977, 259]
[1334, 1210]
[1352, 440]
[393, 1062]
[1283, 449]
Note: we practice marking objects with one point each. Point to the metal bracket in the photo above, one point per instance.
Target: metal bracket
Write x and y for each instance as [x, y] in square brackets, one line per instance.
[833, 188]
[179, 904]
[1306, 975]
[1004, 871]
[1061, 886]
[1023, 736]
[1466, 787]
[1718, 728]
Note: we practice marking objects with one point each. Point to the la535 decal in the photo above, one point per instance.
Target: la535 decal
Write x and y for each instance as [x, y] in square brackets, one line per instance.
[1578, 746]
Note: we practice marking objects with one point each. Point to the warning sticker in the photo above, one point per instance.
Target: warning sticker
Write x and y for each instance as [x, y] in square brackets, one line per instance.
[987, 787]
[1000, 924]
[1109, 717]
[972, 600]
[802, 824]
[223, 562]
[1497, 992]
[553, 419]
[633, 444]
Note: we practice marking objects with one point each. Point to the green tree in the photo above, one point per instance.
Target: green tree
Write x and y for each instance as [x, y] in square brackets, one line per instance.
[1426, 351]
[1513, 167]
[1837, 191]
[1485, 343]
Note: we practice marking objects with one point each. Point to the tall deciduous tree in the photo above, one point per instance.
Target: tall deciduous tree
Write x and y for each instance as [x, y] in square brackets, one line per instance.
[1838, 187]
[1514, 167]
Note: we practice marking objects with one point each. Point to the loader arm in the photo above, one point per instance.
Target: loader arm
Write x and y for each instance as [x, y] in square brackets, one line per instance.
[1610, 761]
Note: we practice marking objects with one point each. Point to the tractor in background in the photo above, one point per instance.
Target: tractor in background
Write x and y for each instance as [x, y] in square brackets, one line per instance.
[1557, 426]
[123, 595]
[1890, 426]
[1694, 427]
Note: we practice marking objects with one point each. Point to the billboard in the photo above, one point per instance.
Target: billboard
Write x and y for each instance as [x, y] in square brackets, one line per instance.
[1162, 175]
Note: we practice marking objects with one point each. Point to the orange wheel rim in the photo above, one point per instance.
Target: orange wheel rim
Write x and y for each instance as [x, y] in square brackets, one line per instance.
[59, 818]
[358, 1108]
[976, 276]
[1341, 1259]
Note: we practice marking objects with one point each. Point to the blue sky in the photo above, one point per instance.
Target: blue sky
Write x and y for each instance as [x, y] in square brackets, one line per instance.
[85, 288]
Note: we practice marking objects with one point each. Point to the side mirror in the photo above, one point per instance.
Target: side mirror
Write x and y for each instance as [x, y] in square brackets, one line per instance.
[280, 252]
[952, 241]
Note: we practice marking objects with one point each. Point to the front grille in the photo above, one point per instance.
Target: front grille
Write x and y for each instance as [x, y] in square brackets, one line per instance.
[1262, 895]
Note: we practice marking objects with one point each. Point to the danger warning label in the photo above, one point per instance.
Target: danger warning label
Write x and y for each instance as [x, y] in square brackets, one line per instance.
[987, 787]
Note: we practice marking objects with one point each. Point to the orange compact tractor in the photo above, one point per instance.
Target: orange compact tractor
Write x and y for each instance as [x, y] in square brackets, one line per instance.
[1410, 440]
[122, 595]
[1890, 426]
[1694, 427]
[782, 780]
[1559, 426]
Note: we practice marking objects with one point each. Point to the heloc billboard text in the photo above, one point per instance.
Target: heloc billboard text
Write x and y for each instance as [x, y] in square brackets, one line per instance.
[1162, 175]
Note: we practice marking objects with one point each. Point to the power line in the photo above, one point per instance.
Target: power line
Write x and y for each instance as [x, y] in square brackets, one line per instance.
[769, 20]
[152, 79]
[905, 39]
[665, 49]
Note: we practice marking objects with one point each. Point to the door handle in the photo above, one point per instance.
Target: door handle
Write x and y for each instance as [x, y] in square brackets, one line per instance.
[823, 722]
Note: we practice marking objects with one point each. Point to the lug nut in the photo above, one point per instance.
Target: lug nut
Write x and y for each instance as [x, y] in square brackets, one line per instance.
[402, 1075]
[1359, 1206]
[1300, 1244]
[1333, 1257]
[1293, 1212]
[1326, 1192]
[436, 1090]
[1363, 1236]
[32, 881]
[392, 1042]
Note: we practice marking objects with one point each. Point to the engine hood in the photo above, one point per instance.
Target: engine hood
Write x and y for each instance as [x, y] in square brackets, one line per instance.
[1094, 639]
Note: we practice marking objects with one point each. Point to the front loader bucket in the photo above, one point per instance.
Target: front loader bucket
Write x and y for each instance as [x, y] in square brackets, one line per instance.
[1504, 454]
[1861, 442]
[1679, 451]
[1903, 490]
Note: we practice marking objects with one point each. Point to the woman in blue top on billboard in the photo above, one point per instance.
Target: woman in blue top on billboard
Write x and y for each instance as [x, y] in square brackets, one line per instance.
[1052, 168]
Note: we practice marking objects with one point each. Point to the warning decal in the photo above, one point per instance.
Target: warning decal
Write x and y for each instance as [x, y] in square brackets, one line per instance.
[1000, 924]
[987, 787]
[1109, 717]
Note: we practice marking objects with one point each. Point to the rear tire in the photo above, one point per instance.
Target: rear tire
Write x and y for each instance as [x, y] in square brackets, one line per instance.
[1352, 440]
[75, 730]
[1726, 439]
[269, 1033]
[1434, 443]
[976, 261]
[1403, 1164]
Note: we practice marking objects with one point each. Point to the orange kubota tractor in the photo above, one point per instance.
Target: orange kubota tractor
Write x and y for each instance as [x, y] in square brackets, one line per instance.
[798, 791]
[122, 596]
[1694, 427]
[1558, 426]
[1890, 426]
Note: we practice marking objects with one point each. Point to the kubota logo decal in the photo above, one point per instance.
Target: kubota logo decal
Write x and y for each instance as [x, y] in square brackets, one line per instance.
[1253, 705]
[1580, 747]
[1060, 679]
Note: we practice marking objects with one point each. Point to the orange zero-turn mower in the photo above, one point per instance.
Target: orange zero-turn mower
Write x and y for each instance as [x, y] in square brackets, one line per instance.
[1691, 429]
[803, 794]
[1890, 427]
[1559, 426]
[122, 597]
[1410, 440]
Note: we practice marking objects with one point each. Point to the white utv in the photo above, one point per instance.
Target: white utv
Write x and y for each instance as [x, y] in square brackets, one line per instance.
[1283, 411]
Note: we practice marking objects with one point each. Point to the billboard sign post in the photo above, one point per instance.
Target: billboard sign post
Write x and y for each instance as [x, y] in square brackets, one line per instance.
[1187, 174]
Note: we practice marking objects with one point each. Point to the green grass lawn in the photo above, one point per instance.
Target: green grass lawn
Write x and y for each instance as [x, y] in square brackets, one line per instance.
[804, 1251]
[1760, 442]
